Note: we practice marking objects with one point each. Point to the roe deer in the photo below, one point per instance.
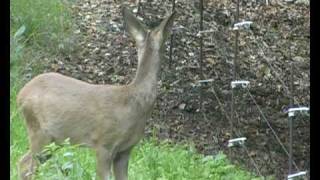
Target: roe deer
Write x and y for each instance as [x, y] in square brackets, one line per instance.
[110, 119]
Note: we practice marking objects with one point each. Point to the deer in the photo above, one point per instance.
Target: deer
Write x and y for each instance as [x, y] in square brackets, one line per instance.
[110, 119]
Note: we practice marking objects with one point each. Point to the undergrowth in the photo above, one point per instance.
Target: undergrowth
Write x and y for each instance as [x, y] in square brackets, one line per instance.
[149, 160]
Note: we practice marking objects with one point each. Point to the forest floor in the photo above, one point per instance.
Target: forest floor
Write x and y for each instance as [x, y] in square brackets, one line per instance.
[103, 53]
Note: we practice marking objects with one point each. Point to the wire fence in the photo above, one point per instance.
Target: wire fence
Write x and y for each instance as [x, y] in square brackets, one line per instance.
[234, 131]
[236, 76]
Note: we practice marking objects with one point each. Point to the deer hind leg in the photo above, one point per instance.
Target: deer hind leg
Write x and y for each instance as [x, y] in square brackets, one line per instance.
[104, 161]
[37, 139]
[28, 163]
[26, 166]
[120, 165]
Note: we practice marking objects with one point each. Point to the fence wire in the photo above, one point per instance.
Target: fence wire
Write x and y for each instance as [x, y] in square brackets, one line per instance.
[233, 130]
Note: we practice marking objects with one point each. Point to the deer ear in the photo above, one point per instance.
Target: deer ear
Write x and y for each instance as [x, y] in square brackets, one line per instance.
[165, 26]
[133, 26]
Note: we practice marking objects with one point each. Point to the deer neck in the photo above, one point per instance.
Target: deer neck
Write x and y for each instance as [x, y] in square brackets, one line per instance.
[148, 69]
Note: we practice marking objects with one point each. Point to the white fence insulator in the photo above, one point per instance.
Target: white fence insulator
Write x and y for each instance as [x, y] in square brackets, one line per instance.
[291, 111]
[135, 10]
[292, 176]
[206, 80]
[178, 28]
[243, 25]
[205, 31]
[243, 83]
[233, 142]
[289, 1]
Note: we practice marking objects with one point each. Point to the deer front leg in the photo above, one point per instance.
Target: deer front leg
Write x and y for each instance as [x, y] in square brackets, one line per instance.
[104, 160]
[120, 165]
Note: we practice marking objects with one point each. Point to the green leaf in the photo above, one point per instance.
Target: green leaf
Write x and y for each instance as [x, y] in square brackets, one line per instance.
[67, 154]
[67, 165]
[19, 32]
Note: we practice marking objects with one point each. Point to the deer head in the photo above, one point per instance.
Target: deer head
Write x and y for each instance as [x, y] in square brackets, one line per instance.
[144, 36]
[149, 42]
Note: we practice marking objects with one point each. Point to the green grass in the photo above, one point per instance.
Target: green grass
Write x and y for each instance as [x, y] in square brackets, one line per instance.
[149, 160]
[47, 23]
[39, 28]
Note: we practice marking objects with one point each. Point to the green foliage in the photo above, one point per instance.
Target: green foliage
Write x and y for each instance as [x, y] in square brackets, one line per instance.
[149, 160]
[165, 160]
[43, 23]
[66, 162]
[38, 29]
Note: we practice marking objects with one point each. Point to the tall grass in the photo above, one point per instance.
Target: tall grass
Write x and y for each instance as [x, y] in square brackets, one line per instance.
[40, 28]
[47, 22]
